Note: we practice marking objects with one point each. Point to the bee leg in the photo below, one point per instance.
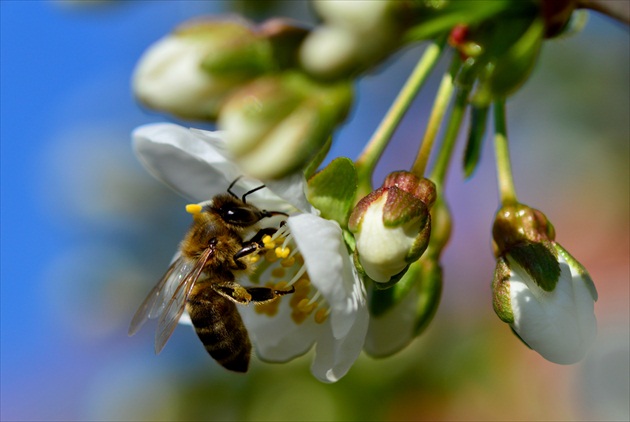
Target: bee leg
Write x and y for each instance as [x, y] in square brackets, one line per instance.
[233, 291]
[266, 294]
[243, 295]
[254, 244]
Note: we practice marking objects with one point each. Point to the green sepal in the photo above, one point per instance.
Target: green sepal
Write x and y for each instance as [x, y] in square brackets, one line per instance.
[508, 70]
[318, 159]
[332, 190]
[401, 207]
[538, 260]
[429, 295]
[476, 133]
[520, 338]
[426, 278]
[247, 60]
[421, 243]
[572, 262]
[501, 300]
[436, 18]
[381, 300]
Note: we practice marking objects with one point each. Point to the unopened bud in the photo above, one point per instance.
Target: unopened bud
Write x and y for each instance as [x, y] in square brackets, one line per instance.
[392, 225]
[539, 289]
[190, 72]
[559, 323]
[276, 124]
[355, 34]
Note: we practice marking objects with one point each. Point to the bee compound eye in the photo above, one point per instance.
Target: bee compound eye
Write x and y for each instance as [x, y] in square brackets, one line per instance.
[240, 216]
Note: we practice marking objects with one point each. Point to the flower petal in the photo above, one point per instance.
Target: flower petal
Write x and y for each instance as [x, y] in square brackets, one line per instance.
[185, 162]
[193, 163]
[278, 338]
[334, 356]
[331, 270]
[394, 330]
[560, 325]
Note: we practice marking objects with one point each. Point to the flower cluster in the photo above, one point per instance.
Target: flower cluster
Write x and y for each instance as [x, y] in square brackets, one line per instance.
[362, 264]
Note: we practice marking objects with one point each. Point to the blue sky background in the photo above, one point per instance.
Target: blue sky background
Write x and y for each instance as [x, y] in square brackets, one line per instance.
[85, 233]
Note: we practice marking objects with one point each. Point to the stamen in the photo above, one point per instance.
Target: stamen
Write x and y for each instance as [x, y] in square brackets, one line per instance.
[278, 272]
[281, 285]
[297, 276]
[282, 252]
[268, 242]
[316, 296]
[271, 256]
[306, 306]
[321, 315]
[193, 208]
[252, 258]
[288, 262]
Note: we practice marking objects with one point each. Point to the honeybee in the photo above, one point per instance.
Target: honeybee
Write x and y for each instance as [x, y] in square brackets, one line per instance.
[202, 280]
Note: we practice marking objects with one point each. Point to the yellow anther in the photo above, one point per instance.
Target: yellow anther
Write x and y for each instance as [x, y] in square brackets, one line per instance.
[278, 272]
[280, 285]
[193, 208]
[321, 315]
[267, 242]
[288, 262]
[253, 258]
[298, 317]
[302, 283]
[267, 308]
[296, 298]
[282, 252]
[306, 306]
[270, 256]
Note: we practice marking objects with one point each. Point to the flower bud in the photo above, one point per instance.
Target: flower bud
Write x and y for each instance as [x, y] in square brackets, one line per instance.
[276, 124]
[190, 72]
[355, 35]
[545, 295]
[556, 15]
[392, 226]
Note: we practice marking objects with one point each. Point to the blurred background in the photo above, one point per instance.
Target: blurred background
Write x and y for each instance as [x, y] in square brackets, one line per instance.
[86, 233]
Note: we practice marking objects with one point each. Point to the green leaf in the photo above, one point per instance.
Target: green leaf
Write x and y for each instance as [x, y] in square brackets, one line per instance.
[316, 161]
[539, 262]
[476, 133]
[332, 190]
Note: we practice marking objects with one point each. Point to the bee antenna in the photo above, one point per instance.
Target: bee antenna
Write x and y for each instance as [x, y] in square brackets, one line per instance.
[251, 191]
[229, 189]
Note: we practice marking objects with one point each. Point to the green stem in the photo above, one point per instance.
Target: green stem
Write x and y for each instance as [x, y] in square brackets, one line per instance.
[443, 159]
[366, 163]
[437, 115]
[507, 192]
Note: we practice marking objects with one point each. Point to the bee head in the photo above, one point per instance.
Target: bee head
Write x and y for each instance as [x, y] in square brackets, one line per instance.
[237, 213]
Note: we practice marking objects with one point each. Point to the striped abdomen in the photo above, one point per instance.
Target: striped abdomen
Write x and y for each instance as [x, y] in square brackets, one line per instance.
[219, 327]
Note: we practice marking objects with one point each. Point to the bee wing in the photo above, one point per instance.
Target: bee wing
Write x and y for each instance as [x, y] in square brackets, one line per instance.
[169, 316]
[160, 294]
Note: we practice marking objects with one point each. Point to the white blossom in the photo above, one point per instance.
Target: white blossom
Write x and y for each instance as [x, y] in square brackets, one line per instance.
[328, 308]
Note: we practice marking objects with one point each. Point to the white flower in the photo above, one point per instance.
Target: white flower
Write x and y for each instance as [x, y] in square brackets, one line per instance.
[328, 308]
[559, 324]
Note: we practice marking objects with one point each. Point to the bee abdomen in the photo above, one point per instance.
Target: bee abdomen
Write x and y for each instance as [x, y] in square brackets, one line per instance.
[220, 328]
